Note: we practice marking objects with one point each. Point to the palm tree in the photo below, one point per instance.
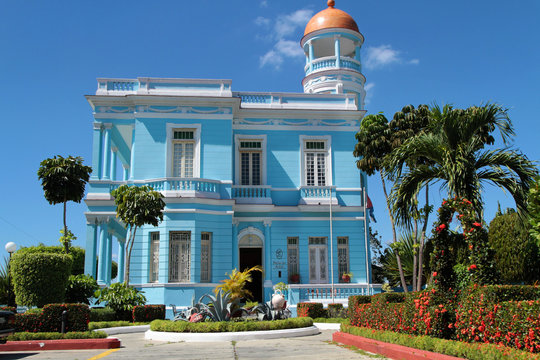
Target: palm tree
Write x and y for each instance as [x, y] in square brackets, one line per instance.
[373, 147]
[456, 154]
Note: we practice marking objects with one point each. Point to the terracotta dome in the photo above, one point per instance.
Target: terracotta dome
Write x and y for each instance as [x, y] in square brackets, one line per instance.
[331, 18]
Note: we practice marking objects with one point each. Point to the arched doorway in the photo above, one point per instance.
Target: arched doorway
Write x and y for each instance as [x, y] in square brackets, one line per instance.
[250, 248]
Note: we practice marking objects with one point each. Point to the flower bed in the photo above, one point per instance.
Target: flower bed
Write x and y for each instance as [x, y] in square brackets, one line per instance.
[502, 315]
[50, 319]
[228, 326]
[442, 346]
[310, 309]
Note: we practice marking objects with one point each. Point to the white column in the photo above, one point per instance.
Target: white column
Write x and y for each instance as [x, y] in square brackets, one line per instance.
[91, 246]
[97, 148]
[267, 251]
[132, 159]
[310, 46]
[114, 153]
[126, 172]
[102, 252]
[108, 259]
[337, 51]
[107, 152]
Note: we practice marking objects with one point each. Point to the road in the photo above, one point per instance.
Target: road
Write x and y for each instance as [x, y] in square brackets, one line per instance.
[134, 347]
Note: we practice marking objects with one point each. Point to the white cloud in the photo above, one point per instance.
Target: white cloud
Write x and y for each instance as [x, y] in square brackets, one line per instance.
[264, 4]
[284, 26]
[380, 56]
[262, 21]
[369, 87]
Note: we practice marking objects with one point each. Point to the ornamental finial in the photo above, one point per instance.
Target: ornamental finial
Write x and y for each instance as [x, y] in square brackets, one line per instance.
[331, 3]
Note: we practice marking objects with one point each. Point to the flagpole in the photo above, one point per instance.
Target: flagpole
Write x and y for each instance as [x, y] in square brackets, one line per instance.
[331, 247]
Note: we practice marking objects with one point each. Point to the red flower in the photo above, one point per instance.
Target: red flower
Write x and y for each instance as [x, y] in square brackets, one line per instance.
[477, 224]
[441, 227]
[434, 273]
[472, 267]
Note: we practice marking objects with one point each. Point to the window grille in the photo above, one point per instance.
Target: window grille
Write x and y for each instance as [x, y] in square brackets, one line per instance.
[154, 256]
[343, 255]
[183, 135]
[250, 145]
[292, 256]
[179, 256]
[250, 168]
[206, 256]
[317, 240]
[315, 145]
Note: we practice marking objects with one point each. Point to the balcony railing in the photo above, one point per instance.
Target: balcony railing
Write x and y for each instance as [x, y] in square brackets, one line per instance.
[315, 191]
[329, 62]
[175, 184]
[254, 194]
[321, 292]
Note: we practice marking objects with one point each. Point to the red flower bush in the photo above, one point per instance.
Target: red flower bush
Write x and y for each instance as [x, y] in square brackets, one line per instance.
[147, 313]
[310, 309]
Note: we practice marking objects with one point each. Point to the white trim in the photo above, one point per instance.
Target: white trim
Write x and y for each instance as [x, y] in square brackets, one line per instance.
[249, 137]
[260, 218]
[197, 148]
[175, 284]
[296, 128]
[250, 231]
[328, 149]
[198, 211]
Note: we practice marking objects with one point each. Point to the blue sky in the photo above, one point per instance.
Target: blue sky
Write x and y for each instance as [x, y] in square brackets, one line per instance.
[459, 52]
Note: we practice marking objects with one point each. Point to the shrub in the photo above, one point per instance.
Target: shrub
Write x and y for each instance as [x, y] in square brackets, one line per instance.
[13, 309]
[148, 313]
[40, 278]
[121, 298]
[109, 324]
[25, 336]
[37, 311]
[102, 314]
[77, 253]
[516, 253]
[310, 309]
[78, 317]
[80, 288]
[229, 326]
[508, 315]
[447, 347]
[336, 311]
[27, 322]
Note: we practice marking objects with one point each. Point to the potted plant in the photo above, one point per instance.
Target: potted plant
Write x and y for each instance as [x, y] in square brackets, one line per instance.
[294, 278]
[346, 277]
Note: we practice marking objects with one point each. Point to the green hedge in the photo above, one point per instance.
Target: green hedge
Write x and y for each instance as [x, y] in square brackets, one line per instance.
[442, 346]
[229, 326]
[26, 336]
[50, 319]
[110, 324]
[148, 313]
[310, 309]
[39, 278]
[102, 314]
[76, 253]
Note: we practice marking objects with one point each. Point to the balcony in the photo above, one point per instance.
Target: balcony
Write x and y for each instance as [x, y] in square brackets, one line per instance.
[329, 62]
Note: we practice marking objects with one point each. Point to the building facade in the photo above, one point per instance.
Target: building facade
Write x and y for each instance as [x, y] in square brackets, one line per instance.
[248, 178]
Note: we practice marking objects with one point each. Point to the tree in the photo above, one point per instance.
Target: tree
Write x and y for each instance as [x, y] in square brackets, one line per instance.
[454, 147]
[63, 180]
[516, 253]
[137, 206]
[373, 147]
[533, 208]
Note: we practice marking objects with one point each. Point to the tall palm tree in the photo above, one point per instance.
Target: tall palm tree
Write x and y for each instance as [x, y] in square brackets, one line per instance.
[373, 147]
[455, 148]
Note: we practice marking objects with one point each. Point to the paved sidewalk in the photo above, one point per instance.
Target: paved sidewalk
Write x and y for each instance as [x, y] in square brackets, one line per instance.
[134, 347]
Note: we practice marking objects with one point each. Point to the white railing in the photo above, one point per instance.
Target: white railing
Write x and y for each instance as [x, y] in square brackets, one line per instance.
[175, 184]
[251, 191]
[315, 191]
[341, 291]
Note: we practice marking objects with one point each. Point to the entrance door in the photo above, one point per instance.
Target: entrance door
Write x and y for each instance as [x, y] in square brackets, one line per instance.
[250, 257]
[318, 260]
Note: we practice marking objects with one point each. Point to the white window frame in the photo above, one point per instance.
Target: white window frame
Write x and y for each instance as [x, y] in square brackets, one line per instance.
[154, 245]
[327, 139]
[238, 138]
[210, 236]
[196, 128]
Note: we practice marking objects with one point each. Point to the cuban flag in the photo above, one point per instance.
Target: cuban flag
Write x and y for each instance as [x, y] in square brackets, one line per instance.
[370, 210]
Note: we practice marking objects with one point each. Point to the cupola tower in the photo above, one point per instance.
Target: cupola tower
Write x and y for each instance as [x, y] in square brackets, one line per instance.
[332, 45]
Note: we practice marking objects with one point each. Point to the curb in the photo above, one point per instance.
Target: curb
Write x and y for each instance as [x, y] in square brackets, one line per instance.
[392, 351]
[124, 329]
[64, 344]
[230, 336]
[328, 326]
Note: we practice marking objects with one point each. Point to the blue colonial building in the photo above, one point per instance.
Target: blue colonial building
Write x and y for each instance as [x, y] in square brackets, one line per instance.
[248, 178]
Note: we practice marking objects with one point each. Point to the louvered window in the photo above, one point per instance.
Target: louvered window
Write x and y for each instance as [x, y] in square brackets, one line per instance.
[315, 163]
[183, 153]
[250, 162]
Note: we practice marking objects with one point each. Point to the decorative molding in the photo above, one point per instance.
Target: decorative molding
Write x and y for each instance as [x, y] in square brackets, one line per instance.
[267, 222]
[198, 211]
[284, 122]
